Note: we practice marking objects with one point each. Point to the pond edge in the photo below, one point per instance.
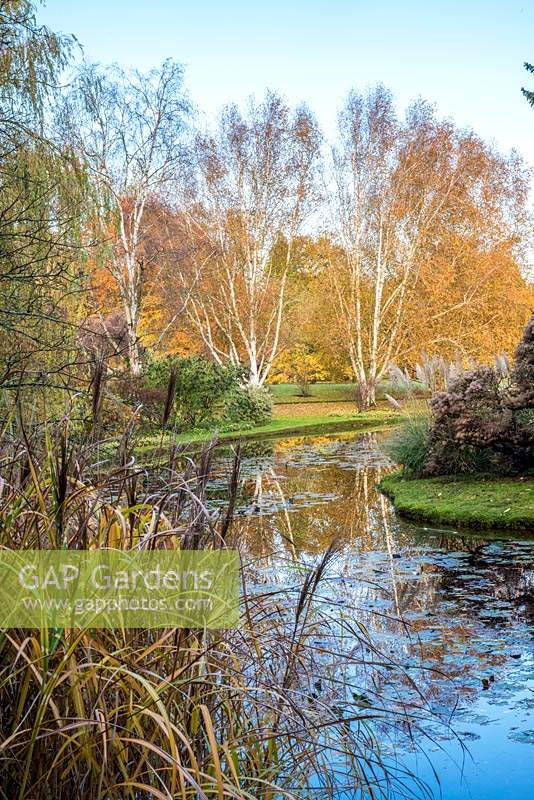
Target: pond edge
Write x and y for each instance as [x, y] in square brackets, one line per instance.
[476, 503]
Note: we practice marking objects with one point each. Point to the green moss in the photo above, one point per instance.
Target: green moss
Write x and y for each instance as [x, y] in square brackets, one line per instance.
[502, 503]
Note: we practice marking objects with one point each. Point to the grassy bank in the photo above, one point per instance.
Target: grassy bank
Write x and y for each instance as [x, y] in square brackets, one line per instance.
[501, 503]
[282, 425]
[331, 408]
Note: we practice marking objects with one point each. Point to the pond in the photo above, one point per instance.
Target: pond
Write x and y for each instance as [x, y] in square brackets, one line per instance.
[455, 609]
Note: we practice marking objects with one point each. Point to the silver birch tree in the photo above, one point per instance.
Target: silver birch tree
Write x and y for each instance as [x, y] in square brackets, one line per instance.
[255, 184]
[129, 130]
[391, 181]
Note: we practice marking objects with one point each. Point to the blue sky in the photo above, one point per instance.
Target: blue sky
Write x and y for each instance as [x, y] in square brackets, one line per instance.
[466, 57]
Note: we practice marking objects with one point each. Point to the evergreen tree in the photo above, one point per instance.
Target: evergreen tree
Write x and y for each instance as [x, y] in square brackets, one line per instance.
[527, 92]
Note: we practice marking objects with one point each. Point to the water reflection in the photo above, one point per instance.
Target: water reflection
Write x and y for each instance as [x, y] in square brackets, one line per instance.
[308, 492]
[455, 611]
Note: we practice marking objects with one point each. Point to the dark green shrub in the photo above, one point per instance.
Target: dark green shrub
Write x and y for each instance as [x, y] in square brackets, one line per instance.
[201, 386]
[157, 370]
[247, 406]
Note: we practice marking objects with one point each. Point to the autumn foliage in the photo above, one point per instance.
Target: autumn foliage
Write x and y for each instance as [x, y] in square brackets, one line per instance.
[420, 246]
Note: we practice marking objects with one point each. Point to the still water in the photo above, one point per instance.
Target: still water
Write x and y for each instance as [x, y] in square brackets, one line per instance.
[455, 609]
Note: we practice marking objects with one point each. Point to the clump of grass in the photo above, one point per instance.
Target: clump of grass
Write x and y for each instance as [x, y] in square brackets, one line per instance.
[410, 445]
[172, 713]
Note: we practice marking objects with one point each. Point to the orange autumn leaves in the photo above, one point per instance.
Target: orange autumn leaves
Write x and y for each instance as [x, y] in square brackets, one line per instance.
[423, 231]
[465, 302]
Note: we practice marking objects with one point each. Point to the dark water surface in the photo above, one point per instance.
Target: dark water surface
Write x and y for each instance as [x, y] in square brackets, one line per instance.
[456, 609]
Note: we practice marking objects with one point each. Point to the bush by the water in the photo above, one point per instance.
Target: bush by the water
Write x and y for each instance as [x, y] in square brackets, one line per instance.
[206, 393]
[483, 422]
[150, 400]
[522, 392]
[247, 406]
[201, 386]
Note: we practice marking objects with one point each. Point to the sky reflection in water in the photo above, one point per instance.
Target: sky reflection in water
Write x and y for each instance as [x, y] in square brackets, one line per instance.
[467, 601]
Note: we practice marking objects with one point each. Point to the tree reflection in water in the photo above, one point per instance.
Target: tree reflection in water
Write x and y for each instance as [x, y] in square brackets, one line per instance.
[456, 611]
[449, 615]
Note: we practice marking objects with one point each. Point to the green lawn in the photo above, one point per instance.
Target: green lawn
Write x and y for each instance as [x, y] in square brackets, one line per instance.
[320, 393]
[501, 503]
[370, 420]
[329, 392]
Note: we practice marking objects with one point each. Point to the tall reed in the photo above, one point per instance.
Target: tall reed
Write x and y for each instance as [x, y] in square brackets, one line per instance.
[262, 711]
